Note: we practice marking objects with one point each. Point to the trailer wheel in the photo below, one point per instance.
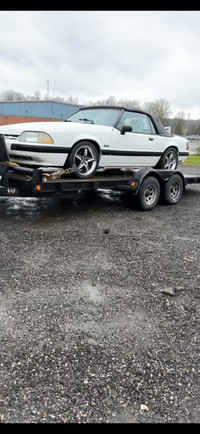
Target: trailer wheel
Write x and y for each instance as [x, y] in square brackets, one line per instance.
[173, 190]
[149, 193]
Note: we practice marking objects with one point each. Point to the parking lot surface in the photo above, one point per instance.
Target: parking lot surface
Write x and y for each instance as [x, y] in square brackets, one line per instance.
[99, 312]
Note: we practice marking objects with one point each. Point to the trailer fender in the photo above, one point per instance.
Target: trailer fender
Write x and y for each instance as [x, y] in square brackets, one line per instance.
[161, 175]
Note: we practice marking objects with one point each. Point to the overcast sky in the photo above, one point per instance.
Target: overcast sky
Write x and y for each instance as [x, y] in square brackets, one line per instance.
[91, 55]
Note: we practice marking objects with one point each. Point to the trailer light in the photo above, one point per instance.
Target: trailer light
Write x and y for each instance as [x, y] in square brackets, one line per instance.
[38, 187]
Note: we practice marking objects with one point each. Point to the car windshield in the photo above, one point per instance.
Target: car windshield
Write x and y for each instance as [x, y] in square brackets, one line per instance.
[96, 116]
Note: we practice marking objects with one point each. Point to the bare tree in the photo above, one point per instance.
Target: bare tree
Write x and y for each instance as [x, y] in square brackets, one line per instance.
[178, 126]
[197, 131]
[192, 126]
[35, 97]
[71, 100]
[110, 101]
[11, 95]
[129, 104]
[113, 102]
[160, 107]
[58, 99]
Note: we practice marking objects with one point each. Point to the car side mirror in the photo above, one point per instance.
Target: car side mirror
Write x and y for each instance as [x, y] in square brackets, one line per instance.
[125, 129]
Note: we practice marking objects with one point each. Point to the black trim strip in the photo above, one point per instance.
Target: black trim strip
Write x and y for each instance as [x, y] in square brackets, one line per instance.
[132, 153]
[65, 150]
[138, 153]
[38, 148]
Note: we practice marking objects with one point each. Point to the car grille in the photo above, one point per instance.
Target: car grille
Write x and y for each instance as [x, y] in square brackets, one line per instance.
[20, 157]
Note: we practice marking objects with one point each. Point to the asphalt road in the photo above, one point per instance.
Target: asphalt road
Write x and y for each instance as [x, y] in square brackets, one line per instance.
[99, 312]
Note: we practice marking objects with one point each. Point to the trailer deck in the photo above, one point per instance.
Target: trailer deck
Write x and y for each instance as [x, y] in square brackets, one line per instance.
[192, 179]
[38, 182]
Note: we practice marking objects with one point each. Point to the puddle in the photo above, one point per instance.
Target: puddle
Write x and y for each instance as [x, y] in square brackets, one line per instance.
[32, 206]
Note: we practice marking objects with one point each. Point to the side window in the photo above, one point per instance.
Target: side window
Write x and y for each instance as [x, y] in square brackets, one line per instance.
[140, 123]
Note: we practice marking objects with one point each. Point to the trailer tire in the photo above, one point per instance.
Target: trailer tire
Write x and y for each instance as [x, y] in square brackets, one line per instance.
[173, 189]
[149, 194]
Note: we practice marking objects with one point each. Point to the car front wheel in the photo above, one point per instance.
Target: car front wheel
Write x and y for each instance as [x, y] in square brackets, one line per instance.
[85, 157]
[169, 160]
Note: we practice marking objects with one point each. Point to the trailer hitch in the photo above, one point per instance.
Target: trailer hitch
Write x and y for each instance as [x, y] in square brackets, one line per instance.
[5, 189]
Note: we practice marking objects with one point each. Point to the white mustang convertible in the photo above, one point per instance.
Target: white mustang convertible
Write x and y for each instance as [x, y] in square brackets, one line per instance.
[96, 137]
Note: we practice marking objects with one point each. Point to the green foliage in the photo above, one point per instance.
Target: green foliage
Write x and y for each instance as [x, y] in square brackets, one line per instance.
[193, 160]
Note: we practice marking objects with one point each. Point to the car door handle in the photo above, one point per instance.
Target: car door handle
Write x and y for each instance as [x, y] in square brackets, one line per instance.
[151, 138]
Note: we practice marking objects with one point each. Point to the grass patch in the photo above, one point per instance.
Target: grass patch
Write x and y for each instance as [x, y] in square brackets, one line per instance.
[193, 160]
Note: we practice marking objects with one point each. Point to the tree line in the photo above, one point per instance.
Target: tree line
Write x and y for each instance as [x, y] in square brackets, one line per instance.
[180, 123]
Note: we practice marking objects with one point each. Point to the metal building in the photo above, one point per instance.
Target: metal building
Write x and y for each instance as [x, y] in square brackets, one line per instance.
[25, 111]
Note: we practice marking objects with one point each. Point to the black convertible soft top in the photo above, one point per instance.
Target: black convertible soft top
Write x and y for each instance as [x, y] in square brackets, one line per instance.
[156, 121]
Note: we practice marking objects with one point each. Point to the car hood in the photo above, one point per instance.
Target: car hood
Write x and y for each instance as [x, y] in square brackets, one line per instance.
[49, 127]
[16, 129]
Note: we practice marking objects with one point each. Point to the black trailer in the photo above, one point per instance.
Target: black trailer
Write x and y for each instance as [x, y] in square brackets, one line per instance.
[146, 186]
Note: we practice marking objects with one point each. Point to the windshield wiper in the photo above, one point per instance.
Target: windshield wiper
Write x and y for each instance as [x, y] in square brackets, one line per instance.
[86, 120]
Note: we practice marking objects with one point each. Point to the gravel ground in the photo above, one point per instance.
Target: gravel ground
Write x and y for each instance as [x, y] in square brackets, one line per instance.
[99, 310]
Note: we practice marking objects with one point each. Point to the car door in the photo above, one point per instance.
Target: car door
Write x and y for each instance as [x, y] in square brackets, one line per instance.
[140, 147]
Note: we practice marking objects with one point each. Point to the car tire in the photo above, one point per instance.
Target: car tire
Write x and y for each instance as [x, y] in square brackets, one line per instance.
[149, 194]
[173, 190]
[169, 160]
[85, 157]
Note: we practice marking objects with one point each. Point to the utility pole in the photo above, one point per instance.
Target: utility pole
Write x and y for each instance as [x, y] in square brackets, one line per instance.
[47, 89]
[187, 124]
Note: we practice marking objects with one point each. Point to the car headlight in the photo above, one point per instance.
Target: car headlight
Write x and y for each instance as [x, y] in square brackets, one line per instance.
[35, 137]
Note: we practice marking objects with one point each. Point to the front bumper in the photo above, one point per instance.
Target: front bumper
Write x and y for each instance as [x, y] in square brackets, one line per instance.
[36, 154]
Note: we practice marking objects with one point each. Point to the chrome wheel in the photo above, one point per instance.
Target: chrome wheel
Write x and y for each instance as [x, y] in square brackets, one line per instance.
[85, 157]
[85, 160]
[170, 160]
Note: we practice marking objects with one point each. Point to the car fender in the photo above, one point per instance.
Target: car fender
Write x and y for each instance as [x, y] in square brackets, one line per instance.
[101, 140]
[89, 138]
[84, 138]
[177, 142]
[172, 144]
